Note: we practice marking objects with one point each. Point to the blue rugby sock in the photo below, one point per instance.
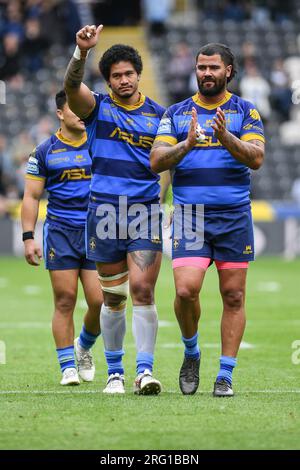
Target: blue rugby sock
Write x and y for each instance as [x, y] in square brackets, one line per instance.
[86, 339]
[66, 357]
[144, 361]
[227, 364]
[191, 346]
[114, 361]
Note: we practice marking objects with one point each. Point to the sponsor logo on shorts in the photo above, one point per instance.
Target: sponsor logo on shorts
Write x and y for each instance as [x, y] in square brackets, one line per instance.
[248, 250]
[156, 239]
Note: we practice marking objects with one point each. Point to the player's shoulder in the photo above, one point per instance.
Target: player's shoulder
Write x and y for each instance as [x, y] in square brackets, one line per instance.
[99, 96]
[181, 107]
[45, 146]
[245, 105]
[154, 107]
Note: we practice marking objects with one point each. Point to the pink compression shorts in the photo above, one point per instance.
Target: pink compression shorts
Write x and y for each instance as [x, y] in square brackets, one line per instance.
[200, 262]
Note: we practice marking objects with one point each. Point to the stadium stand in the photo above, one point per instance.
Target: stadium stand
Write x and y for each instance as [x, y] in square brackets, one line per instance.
[262, 38]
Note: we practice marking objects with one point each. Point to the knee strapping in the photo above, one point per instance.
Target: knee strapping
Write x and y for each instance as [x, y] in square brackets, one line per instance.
[117, 284]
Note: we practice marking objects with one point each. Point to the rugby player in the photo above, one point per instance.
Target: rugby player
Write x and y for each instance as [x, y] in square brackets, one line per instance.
[213, 175]
[121, 127]
[62, 165]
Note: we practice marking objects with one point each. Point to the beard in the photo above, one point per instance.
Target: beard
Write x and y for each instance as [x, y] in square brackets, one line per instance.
[219, 86]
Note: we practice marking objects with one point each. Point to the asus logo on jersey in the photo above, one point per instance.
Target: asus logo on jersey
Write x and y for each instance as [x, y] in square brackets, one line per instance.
[75, 174]
[144, 140]
[210, 141]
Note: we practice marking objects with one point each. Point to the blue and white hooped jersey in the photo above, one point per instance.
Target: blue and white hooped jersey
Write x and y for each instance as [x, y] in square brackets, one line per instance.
[120, 139]
[209, 174]
[66, 168]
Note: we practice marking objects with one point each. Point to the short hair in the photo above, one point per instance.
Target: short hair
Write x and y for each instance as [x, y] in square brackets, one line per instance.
[118, 53]
[225, 53]
[60, 99]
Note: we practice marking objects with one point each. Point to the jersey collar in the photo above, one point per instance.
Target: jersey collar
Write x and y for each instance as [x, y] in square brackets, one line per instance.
[71, 143]
[196, 98]
[129, 107]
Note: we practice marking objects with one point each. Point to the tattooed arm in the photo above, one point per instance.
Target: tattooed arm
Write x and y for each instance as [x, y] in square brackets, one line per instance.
[249, 153]
[80, 97]
[165, 156]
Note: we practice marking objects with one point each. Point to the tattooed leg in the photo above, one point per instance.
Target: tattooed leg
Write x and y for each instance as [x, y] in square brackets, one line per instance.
[143, 272]
[144, 259]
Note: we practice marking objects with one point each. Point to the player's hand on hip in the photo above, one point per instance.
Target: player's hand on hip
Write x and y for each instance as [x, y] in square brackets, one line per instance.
[33, 253]
[219, 124]
[87, 37]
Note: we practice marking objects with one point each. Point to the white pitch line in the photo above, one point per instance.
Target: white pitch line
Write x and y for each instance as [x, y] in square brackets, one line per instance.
[165, 323]
[24, 325]
[86, 392]
[32, 290]
[271, 286]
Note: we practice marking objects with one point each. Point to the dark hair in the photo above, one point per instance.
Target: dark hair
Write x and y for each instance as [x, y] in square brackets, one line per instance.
[225, 53]
[60, 99]
[118, 53]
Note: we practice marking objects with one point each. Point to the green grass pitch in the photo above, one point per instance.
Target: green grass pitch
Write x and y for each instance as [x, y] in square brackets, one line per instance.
[37, 413]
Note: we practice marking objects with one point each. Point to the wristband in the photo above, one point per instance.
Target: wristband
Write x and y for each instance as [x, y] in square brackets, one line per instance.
[77, 53]
[27, 236]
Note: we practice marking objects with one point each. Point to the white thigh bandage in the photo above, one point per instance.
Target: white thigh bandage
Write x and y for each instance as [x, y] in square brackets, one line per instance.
[119, 289]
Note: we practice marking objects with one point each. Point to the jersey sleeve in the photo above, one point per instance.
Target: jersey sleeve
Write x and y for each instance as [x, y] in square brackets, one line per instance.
[252, 126]
[166, 130]
[36, 167]
[93, 115]
[91, 120]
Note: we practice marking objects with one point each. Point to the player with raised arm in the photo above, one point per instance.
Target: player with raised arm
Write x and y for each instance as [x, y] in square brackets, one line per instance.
[62, 165]
[121, 126]
[210, 142]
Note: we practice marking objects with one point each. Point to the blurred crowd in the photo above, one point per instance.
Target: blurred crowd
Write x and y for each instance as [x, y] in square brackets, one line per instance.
[259, 11]
[28, 28]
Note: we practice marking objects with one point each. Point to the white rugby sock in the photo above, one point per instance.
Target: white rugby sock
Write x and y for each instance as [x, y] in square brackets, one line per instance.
[113, 327]
[144, 327]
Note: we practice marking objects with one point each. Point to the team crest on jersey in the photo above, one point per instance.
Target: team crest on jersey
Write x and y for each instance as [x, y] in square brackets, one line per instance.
[92, 243]
[248, 250]
[80, 158]
[52, 254]
[175, 243]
